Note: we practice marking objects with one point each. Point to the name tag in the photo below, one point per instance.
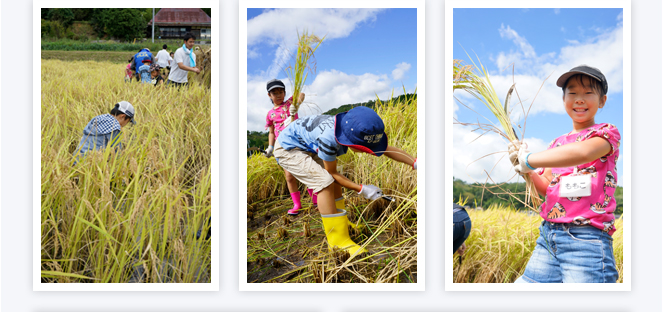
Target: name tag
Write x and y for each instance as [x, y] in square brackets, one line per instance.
[575, 186]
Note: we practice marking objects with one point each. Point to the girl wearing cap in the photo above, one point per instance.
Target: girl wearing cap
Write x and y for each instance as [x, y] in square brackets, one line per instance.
[105, 129]
[275, 123]
[308, 148]
[577, 174]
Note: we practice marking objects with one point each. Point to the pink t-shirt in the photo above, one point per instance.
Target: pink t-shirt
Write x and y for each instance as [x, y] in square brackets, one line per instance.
[127, 72]
[278, 115]
[596, 209]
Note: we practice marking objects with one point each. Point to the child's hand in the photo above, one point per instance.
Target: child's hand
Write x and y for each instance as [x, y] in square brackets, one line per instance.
[371, 192]
[269, 152]
[514, 146]
[519, 160]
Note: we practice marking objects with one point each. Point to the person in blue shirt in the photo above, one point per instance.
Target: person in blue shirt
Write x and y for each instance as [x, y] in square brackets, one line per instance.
[308, 148]
[105, 129]
[143, 54]
[144, 71]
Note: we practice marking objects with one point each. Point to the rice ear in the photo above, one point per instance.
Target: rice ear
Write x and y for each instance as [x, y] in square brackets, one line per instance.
[477, 83]
[304, 59]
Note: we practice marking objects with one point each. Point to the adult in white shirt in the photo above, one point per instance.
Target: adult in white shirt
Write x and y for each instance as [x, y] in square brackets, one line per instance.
[186, 62]
[162, 57]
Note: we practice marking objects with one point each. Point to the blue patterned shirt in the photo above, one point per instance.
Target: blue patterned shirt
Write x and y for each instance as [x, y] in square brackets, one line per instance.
[313, 134]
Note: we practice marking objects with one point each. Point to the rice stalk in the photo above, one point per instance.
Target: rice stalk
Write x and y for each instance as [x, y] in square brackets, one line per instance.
[304, 64]
[475, 80]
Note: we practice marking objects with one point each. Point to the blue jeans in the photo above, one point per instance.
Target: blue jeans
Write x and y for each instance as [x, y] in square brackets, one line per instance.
[462, 227]
[567, 253]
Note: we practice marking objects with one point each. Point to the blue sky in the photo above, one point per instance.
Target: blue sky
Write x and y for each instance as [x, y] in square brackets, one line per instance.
[541, 43]
[366, 52]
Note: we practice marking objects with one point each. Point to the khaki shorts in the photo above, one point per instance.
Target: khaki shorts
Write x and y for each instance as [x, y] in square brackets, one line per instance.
[306, 167]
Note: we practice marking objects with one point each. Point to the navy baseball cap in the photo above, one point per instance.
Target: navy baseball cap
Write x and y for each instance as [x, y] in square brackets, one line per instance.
[361, 128]
[585, 70]
[274, 83]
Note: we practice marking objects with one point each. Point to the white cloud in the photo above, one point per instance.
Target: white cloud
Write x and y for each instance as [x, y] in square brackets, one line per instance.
[620, 17]
[556, 11]
[329, 89]
[521, 42]
[400, 70]
[252, 53]
[279, 27]
[472, 156]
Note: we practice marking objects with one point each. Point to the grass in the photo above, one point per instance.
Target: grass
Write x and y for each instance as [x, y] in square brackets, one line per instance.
[129, 215]
[77, 45]
[293, 249]
[116, 57]
[501, 243]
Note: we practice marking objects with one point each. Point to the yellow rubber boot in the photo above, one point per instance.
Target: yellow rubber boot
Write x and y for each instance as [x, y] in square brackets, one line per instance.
[336, 230]
[340, 205]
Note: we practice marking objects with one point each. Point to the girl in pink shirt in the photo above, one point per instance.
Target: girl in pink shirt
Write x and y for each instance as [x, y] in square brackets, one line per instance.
[276, 118]
[578, 176]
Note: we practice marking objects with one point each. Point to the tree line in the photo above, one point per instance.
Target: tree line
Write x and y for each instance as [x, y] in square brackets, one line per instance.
[124, 24]
[480, 195]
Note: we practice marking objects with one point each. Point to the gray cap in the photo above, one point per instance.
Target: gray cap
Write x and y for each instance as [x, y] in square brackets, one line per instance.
[274, 83]
[585, 70]
[127, 109]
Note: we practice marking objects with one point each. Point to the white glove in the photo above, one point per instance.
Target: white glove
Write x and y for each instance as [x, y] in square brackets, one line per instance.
[514, 146]
[519, 159]
[293, 111]
[371, 192]
[415, 164]
[269, 152]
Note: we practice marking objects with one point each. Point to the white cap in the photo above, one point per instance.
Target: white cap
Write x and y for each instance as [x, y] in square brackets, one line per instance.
[127, 109]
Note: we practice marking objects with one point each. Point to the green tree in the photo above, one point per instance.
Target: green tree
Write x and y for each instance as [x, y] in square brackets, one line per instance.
[124, 24]
[82, 14]
[64, 16]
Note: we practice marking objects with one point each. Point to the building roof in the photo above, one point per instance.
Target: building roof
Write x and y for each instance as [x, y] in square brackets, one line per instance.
[172, 17]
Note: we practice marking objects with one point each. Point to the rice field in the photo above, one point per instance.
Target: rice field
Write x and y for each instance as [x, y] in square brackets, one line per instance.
[501, 242]
[286, 249]
[127, 215]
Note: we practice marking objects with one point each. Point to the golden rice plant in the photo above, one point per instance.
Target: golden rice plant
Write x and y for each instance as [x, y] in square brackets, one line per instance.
[475, 80]
[126, 215]
[304, 63]
[204, 62]
[387, 229]
[501, 242]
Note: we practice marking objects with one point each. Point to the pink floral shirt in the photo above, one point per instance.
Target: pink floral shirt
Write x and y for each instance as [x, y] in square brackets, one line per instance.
[597, 209]
[278, 115]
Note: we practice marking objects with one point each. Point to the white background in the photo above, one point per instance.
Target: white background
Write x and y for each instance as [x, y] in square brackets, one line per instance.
[16, 235]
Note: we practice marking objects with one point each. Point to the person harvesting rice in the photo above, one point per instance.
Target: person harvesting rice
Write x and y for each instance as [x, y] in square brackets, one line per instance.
[185, 61]
[105, 129]
[578, 176]
[308, 148]
[275, 123]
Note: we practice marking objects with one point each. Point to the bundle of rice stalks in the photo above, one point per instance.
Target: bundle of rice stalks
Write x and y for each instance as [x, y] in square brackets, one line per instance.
[477, 83]
[204, 62]
[304, 60]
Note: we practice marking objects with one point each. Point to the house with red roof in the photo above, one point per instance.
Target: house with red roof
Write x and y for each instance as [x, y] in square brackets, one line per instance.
[174, 23]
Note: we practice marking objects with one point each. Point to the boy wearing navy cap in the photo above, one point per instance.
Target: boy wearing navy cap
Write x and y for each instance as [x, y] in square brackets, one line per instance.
[308, 149]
